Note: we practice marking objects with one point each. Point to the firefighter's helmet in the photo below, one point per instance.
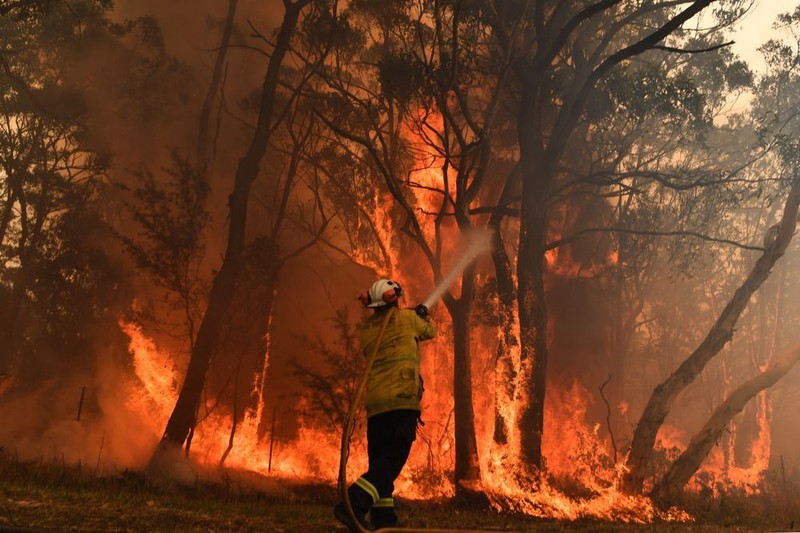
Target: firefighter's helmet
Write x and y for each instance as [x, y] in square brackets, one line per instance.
[382, 293]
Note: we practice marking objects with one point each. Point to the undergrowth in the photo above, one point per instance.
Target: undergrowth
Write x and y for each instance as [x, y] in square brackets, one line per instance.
[53, 495]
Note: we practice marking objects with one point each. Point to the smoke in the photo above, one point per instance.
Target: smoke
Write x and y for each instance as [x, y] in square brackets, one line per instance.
[102, 430]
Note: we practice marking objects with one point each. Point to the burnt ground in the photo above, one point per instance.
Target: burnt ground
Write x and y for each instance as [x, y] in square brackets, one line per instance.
[39, 496]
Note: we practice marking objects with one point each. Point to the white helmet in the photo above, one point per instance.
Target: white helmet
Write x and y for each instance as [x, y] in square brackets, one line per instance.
[382, 293]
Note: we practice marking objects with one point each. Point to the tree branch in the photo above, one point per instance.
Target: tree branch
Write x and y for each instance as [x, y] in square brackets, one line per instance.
[676, 233]
[697, 51]
[608, 416]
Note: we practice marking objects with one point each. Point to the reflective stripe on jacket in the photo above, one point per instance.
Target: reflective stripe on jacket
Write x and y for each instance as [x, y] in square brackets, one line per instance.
[394, 381]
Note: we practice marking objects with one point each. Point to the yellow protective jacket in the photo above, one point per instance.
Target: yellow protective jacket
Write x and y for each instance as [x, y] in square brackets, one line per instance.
[394, 381]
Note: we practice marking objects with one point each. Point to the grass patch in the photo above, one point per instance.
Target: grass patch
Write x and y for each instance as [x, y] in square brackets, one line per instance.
[55, 496]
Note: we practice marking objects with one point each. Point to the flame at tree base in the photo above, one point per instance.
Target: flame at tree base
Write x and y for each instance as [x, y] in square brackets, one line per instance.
[520, 494]
[576, 454]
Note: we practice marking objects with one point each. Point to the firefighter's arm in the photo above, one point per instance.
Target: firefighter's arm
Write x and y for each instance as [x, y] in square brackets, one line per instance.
[425, 328]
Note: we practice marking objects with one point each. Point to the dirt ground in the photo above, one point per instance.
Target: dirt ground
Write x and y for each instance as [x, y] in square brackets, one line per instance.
[63, 511]
[50, 497]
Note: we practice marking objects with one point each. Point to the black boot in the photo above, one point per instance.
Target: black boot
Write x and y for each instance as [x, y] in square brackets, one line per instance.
[341, 514]
[384, 517]
[361, 502]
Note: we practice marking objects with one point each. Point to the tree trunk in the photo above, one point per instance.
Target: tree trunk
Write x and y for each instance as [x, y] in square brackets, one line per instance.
[505, 365]
[721, 332]
[30, 237]
[8, 210]
[244, 342]
[533, 334]
[222, 289]
[213, 87]
[467, 467]
[505, 371]
[532, 308]
[259, 391]
[690, 460]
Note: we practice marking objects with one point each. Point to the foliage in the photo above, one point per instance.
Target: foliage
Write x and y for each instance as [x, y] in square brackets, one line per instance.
[332, 388]
[172, 216]
[58, 285]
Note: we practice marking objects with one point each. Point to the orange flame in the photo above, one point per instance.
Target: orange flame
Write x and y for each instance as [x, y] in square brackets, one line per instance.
[573, 447]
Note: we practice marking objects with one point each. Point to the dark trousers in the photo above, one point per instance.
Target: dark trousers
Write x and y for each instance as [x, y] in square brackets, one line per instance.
[389, 439]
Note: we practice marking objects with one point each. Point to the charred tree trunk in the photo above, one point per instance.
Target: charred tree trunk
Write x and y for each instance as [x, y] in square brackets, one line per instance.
[533, 328]
[222, 289]
[690, 460]
[258, 395]
[466, 467]
[721, 332]
[505, 369]
[244, 341]
[250, 338]
[537, 168]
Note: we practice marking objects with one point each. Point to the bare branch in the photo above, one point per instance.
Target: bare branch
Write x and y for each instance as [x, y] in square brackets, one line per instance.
[608, 416]
[676, 233]
[697, 51]
[572, 24]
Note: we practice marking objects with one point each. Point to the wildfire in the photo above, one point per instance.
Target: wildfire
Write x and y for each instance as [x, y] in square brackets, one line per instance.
[157, 376]
[313, 454]
[576, 452]
[583, 476]
[384, 231]
[427, 176]
[722, 472]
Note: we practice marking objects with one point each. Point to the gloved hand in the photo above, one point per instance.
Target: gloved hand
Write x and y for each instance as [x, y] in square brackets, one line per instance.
[421, 310]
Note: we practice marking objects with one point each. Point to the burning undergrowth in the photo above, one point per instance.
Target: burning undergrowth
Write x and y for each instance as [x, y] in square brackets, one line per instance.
[579, 457]
[124, 417]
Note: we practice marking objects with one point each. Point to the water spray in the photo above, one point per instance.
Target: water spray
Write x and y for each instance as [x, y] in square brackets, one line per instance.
[480, 242]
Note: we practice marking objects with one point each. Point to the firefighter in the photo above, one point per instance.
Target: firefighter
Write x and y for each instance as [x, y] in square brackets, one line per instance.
[394, 390]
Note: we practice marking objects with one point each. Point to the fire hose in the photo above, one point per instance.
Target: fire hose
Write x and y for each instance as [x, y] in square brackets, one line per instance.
[477, 247]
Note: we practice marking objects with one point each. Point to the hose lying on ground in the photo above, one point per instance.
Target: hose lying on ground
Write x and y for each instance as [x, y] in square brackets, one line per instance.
[345, 450]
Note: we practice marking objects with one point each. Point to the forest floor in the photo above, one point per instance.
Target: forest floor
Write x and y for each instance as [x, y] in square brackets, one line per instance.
[50, 496]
